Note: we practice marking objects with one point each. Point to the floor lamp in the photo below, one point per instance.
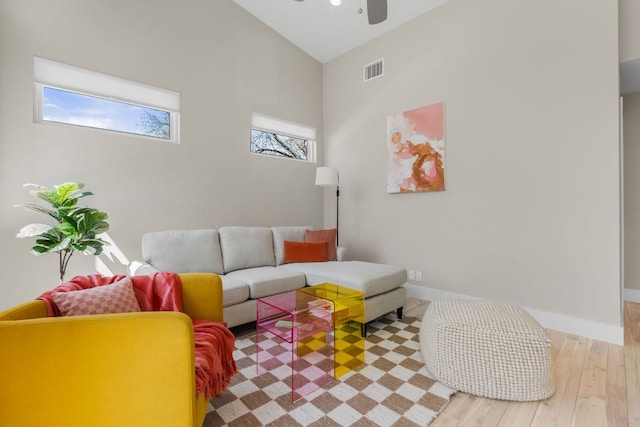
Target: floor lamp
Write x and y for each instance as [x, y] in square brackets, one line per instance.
[327, 176]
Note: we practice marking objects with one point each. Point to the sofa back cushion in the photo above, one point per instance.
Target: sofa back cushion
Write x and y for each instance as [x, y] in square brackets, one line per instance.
[292, 234]
[246, 247]
[183, 251]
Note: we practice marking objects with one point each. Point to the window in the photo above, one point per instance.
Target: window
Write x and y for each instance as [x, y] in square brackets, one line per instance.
[74, 96]
[280, 138]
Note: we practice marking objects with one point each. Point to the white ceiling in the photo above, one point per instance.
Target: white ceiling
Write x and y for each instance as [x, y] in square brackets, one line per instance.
[325, 31]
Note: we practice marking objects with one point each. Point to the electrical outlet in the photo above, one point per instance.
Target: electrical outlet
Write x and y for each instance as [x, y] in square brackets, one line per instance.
[419, 276]
[412, 275]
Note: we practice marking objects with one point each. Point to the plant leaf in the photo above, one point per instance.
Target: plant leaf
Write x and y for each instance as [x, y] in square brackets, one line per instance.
[65, 190]
[51, 238]
[90, 250]
[64, 244]
[39, 209]
[84, 194]
[94, 246]
[37, 186]
[49, 196]
[77, 226]
[39, 250]
[67, 229]
[32, 230]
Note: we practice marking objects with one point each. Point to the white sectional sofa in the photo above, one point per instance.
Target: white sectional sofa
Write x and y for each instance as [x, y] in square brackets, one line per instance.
[250, 262]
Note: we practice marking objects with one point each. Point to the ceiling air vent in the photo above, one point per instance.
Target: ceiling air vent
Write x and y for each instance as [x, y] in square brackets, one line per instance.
[373, 70]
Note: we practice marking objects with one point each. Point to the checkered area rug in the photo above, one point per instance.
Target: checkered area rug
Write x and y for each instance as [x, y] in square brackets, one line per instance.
[391, 388]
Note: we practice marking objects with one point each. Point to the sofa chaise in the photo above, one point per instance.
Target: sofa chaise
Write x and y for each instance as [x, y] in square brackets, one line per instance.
[250, 261]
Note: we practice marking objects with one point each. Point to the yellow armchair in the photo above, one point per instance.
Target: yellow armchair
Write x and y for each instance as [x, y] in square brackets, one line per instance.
[130, 369]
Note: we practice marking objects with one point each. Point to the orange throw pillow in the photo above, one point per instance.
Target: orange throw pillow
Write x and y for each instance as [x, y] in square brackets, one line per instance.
[328, 236]
[304, 252]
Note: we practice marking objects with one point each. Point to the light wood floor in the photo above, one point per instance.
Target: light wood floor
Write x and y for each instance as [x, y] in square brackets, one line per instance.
[597, 384]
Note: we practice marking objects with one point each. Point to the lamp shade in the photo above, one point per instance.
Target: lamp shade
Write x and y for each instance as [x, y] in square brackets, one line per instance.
[327, 176]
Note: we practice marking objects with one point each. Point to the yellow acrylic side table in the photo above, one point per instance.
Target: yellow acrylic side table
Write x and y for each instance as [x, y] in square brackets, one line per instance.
[348, 321]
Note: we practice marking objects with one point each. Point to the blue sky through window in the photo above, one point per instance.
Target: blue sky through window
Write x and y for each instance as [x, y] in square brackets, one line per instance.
[84, 110]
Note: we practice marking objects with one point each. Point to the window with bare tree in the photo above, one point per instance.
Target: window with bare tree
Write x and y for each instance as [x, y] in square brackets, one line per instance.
[275, 144]
[280, 138]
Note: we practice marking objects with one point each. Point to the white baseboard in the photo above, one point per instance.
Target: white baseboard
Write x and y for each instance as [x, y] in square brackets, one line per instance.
[632, 295]
[558, 322]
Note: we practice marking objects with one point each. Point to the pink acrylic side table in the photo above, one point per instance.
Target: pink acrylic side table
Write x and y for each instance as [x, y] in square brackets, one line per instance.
[293, 334]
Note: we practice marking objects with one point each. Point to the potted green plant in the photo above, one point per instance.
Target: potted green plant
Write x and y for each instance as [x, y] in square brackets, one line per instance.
[76, 229]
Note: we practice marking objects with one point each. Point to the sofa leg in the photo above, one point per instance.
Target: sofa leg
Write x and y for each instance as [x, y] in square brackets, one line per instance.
[363, 329]
[399, 312]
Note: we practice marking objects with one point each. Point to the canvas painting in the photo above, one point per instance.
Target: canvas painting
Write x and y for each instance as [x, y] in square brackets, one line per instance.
[415, 146]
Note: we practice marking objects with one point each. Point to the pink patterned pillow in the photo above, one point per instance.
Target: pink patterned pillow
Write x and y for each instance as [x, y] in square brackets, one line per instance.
[117, 297]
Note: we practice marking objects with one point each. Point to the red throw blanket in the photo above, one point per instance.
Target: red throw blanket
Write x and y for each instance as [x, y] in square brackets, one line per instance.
[214, 357]
[157, 292]
[214, 342]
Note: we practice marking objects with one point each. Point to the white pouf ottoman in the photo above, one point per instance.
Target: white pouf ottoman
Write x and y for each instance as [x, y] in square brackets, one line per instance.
[488, 349]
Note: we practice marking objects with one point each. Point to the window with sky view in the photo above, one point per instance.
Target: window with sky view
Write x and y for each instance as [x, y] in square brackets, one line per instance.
[73, 108]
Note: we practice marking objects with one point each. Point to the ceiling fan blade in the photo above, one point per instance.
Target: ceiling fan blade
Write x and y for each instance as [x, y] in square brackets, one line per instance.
[377, 11]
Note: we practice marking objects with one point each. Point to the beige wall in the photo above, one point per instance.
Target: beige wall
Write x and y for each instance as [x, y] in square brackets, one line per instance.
[631, 113]
[224, 62]
[531, 210]
[629, 11]
[530, 214]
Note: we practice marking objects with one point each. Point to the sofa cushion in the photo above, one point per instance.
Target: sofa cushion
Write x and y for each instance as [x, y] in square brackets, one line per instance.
[328, 236]
[280, 234]
[234, 291]
[246, 247]
[305, 252]
[267, 281]
[183, 251]
[369, 278]
[117, 297]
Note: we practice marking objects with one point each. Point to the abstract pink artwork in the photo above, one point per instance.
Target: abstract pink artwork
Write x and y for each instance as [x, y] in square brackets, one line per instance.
[415, 146]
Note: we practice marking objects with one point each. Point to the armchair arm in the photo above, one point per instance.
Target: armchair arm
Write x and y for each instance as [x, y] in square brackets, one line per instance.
[201, 292]
[101, 370]
[28, 310]
[202, 296]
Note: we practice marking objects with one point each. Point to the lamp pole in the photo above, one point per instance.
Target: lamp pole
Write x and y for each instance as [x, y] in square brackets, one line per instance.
[328, 177]
[337, 214]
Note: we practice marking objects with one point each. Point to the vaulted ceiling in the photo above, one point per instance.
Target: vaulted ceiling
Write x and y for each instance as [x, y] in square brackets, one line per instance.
[325, 31]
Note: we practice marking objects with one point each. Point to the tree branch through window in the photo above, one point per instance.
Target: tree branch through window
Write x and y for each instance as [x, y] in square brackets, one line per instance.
[274, 144]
